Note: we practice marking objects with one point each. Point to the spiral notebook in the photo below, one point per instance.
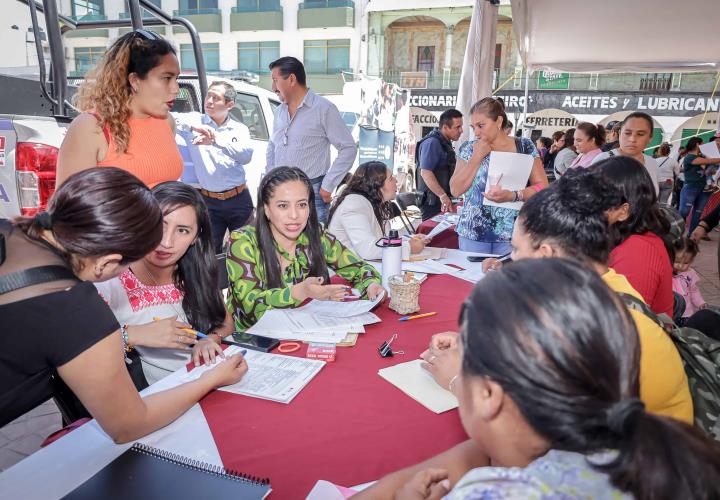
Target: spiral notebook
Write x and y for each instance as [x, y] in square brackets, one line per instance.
[146, 473]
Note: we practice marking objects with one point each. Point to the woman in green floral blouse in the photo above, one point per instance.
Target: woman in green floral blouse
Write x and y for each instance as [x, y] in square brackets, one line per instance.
[284, 259]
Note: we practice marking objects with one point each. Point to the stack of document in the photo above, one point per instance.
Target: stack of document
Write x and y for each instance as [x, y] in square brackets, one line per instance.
[450, 217]
[270, 376]
[318, 321]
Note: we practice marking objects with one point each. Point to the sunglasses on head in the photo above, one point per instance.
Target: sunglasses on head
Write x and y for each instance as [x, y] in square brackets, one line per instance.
[150, 36]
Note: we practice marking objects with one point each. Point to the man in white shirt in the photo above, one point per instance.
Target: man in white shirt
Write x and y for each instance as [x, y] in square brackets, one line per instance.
[218, 154]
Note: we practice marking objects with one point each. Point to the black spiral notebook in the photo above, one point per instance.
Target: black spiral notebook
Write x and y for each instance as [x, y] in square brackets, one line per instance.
[146, 473]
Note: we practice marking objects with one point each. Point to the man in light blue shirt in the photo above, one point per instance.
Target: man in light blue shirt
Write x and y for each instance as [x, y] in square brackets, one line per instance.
[304, 128]
[218, 153]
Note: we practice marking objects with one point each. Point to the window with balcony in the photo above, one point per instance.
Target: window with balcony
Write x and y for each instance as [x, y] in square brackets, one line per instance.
[256, 56]
[145, 14]
[655, 81]
[88, 9]
[211, 56]
[86, 58]
[326, 4]
[190, 7]
[326, 57]
[257, 6]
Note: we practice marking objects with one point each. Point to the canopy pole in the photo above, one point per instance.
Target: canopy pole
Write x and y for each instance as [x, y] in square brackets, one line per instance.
[525, 104]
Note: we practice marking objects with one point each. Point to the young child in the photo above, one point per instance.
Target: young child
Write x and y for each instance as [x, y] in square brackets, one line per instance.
[685, 279]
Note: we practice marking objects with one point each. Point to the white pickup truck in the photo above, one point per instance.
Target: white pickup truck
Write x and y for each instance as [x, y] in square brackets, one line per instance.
[35, 111]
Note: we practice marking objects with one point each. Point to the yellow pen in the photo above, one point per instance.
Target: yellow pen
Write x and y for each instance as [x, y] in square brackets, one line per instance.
[424, 315]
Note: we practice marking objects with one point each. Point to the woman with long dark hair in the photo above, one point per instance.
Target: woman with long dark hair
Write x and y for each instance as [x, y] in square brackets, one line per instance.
[548, 393]
[284, 259]
[641, 234]
[361, 214]
[126, 123]
[98, 222]
[175, 283]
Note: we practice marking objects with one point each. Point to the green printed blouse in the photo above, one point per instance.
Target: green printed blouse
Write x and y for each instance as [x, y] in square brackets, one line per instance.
[249, 297]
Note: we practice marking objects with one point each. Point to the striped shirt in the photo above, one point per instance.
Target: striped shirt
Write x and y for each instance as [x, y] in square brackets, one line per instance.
[304, 141]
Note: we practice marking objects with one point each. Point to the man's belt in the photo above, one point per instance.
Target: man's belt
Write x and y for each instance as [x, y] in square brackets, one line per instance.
[223, 195]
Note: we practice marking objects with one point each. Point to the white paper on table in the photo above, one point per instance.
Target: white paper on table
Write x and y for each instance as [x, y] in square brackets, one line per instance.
[322, 315]
[472, 274]
[442, 226]
[428, 267]
[710, 149]
[427, 253]
[515, 170]
[341, 309]
[270, 376]
[450, 217]
[417, 383]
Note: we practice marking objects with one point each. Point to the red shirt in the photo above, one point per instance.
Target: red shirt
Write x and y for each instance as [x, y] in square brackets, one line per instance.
[644, 261]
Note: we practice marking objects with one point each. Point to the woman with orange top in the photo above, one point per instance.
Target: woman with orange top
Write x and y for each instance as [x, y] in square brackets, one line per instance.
[126, 122]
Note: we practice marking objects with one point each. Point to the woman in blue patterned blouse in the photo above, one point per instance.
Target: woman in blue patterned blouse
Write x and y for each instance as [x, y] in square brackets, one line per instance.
[549, 396]
[483, 228]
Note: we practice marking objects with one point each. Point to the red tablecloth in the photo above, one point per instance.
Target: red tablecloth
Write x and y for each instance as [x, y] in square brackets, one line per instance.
[348, 425]
[446, 239]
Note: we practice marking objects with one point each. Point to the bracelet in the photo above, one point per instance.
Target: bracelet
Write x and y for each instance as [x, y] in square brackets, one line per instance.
[537, 187]
[704, 225]
[125, 340]
[452, 382]
[515, 196]
[520, 195]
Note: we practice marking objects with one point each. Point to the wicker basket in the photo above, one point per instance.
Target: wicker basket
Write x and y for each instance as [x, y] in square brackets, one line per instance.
[404, 295]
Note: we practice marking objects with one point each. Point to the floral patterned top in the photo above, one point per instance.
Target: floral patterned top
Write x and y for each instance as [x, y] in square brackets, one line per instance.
[558, 475]
[477, 221]
[249, 297]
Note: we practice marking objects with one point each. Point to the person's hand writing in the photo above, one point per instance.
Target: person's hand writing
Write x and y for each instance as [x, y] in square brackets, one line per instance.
[428, 484]
[168, 333]
[206, 350]
[443, 359]
[325, 195]
[500, 196]
[491, 264]
[227, 372]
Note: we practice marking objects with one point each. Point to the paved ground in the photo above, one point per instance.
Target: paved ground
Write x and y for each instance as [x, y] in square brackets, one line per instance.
[23, 436]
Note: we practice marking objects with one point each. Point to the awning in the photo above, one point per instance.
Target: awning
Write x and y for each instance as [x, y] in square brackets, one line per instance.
[641, 36]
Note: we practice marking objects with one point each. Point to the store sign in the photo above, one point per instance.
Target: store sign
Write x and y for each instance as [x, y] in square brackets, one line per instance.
[579, 102]
[551, 80]
[414, 79]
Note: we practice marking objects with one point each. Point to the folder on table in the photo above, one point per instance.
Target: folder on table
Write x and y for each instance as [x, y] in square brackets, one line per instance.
[143, 472]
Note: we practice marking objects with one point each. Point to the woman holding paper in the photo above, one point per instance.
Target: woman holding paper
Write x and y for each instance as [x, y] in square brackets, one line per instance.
[481, 227]
[284, 259]
[361, 215]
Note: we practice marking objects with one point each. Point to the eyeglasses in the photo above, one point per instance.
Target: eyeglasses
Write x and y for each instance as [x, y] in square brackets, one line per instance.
[150, 36]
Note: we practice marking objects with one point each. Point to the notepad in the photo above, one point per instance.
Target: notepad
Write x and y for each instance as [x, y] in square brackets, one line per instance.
[515, 169]
[417, 383]
[146, 473]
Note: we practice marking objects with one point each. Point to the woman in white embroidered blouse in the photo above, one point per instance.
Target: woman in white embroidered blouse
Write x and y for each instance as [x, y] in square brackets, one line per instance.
[361, 215]
[160, 299]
